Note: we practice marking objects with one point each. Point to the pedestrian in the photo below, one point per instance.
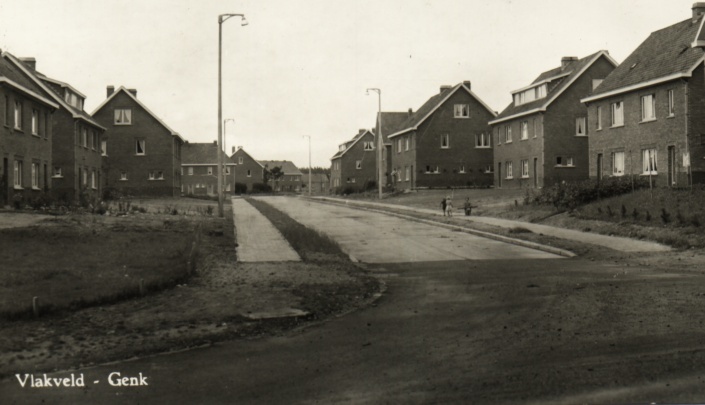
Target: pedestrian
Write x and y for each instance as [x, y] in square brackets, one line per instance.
[449, 207]
[467, 207]
[443, 206]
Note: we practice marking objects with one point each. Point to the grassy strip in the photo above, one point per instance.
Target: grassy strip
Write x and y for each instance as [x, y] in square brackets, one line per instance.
[308, 243]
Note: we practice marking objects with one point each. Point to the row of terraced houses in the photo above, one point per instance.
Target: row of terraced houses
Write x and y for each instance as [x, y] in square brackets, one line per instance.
[50, 146]
[588, 117]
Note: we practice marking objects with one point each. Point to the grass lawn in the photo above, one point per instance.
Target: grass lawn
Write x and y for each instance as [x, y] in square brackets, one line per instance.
[486, 199]
[81, 260]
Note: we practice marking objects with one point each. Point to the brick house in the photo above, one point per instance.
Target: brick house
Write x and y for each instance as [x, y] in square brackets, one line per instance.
[199, 169]
[76, 166]
[248, 171]
[142, 155]
[320, 183]
[647, 118]
[291, 181]
[445, 143]
[25, 135]
[541, 138]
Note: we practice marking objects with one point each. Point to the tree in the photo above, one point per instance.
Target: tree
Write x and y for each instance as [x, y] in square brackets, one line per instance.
[274, 173]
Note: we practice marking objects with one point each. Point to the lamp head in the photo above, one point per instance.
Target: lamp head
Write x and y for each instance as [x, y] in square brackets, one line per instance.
[244, 21]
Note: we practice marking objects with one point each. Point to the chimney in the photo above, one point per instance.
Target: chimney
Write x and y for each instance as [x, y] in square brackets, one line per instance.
[411, 112]
[233, 149]
[215, 142]
[445, 87]
[110, 90]
[133, 92]
[698, 10]
[31, 63]
[466, 83]
[567, 60]
[361, 131]
[239, 147]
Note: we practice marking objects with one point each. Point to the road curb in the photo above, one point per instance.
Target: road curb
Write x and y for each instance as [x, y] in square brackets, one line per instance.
[484, 234]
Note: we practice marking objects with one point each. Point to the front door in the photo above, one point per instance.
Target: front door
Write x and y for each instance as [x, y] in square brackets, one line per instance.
[499, 175]
[599, 167]
[4, 186]
[536, 173]
[671, 166]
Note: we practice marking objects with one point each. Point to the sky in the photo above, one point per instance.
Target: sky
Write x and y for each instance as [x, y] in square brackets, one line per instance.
[300, 68]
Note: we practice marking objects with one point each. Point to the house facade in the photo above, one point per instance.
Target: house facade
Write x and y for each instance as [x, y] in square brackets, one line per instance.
[541, 138]
[320, 183]
[247, 170]
[354, 167]
[141, 154]
[445, 143]
[76, 168]
[26, 134]
[199, 169]
[647, 118]
[290, 181]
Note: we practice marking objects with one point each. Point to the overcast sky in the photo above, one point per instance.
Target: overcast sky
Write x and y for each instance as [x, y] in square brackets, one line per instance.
[302, 67]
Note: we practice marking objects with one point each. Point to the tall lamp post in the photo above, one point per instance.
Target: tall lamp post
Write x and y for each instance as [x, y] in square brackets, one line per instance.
[309, 164]
[225, 150]
[221, 19]
[380, 144]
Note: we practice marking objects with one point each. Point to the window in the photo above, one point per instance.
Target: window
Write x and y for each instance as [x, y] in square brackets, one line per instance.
[35, 122]
[94, 140]
[104, 148]
[84, 137]
[152, 175]
[160, 175]
[123, 116]
[525, 130]
[599, 118]
[407, 173]
[369, 145]
[18, 173]
[525, 168]
[139, 146]
[580, 126]
[461, 169]
[445, 141]
[509, 166]
[536, 127]
[488, 169]
[123, 176]
[210, 170]
[358, 164]
[569, 161]
[648, 107]
[617, 114]
[564, 161]
[6, 111]
[432, 169]
[399, 145]
[499, 138]
[57, 172]
[35, 176]
[84, 177]
[190, 170]
[530, 95]
[618, 164]
[94, 184]
[671, 103]
[227, 170]
[482, 140]
[406, 142]
[249, 173]
[648, 158]
[239, 160]
[462, 111]
[507, 133]
[18, 114]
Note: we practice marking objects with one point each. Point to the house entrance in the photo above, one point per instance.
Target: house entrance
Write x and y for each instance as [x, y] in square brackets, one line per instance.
[599, 167]
[671, 166]
[499, 175]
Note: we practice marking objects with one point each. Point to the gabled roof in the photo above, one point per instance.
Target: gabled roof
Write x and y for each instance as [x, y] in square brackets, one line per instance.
[558, 79]
[144, 107]
[430, 106]
[390, 122]
[39, 80]
[11, 75]
[201, 153]
[667, 54]
[287, 167]
[245, 152]
[349, 144]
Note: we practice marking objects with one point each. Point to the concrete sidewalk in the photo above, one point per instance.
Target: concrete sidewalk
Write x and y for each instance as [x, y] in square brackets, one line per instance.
[258, 240]
[612, 242]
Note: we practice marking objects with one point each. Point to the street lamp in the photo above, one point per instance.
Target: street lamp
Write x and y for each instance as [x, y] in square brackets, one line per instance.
[380, 144]
[309, 163]
[225, 150]
[221, 19]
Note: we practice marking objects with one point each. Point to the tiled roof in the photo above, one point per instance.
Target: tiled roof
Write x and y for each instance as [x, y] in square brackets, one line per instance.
[564, 77]
[287, 167]
[664, 53]
[73, 110]
[200, 153]
[12, 73]
[390, 122]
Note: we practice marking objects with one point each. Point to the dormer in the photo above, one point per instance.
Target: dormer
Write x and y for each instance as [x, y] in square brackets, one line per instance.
[73, 99]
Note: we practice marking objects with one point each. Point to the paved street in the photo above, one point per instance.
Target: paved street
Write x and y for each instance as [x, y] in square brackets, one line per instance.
[503, 325]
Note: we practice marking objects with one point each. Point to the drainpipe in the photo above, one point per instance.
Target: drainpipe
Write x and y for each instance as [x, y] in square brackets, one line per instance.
[689, 170]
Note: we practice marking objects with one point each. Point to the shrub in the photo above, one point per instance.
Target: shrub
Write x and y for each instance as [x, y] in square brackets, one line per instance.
[570, 195]
[42, 201]
[665, 216]
[635, 214]
[695, 220]
[624, 211]
[648, 216]
[240, 188]
[680, 218]
[370, 185]
[261, 188]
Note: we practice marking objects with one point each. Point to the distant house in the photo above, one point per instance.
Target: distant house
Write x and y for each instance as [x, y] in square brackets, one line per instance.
[445, 143]
[647, 118]
[199, 169]
[541, 138]
[76, 167]
[290, 181]
[247, 170]
[142, 155]
[25, 135]
[320, 183]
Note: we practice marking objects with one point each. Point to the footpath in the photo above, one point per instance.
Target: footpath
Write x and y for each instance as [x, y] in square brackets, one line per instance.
[258, 240]
[612, 242]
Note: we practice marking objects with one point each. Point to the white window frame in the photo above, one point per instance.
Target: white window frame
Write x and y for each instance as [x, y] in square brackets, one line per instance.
[57, 173]
[445, 141]
[599, 118]
[369, 145]
[123, 176]
[399, 145]
[209, 170]
[525, 168]
[509, 168]
[617, 114]
[648, 107]
[524, 130]
[17, 174]
[104, 148]
[569, 161]
[358, 164]
[618, 163]
[581, 126]
[461, 169]
[508, 134]
[189, 170]
[489, 169]
[84, 138]
[249, 173]
[407, 141]
[35, 176]
[461, 111]
[140, 144]
[18, 115]
[94, 184]
[407, 173]
[35, 122]
[483, 140]
[671, 103]
[123, 116]
[649, 161]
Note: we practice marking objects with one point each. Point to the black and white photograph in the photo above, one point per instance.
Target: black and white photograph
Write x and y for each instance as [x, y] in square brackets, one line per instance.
[352, 202]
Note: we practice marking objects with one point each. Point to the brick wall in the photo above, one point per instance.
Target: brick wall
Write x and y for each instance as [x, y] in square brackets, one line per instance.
[249, 172]
[518, 150]
[352, 177]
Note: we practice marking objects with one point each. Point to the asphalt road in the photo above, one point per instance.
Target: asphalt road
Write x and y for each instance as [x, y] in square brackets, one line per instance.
[534, 330]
